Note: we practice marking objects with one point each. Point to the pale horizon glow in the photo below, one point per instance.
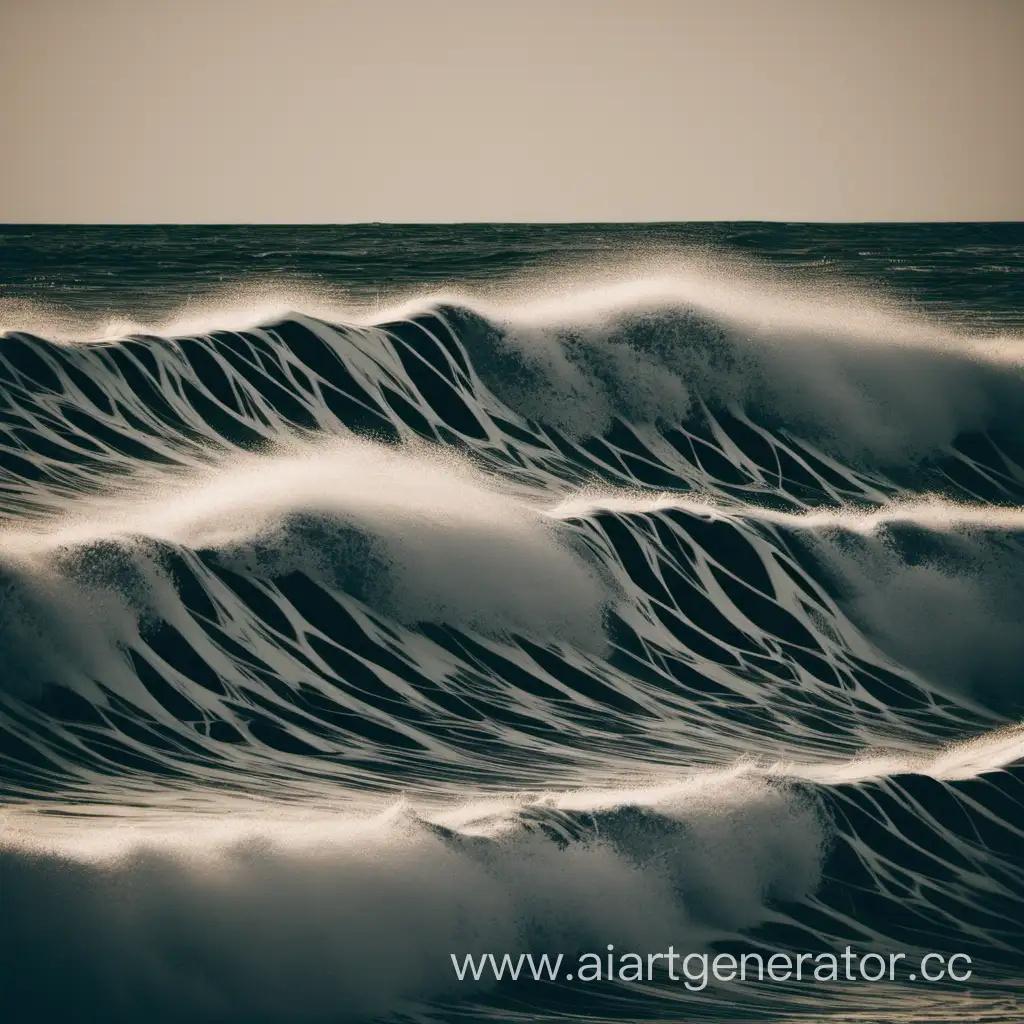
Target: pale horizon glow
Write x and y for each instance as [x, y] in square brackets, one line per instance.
[418, 111]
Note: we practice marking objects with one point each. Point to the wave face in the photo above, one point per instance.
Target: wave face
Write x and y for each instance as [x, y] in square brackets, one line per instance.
[667, 609]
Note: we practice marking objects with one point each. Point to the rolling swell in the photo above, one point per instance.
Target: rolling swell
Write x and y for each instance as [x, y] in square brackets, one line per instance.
[459, 554]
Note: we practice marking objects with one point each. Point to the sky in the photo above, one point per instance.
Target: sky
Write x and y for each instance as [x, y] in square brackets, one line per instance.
[340, 111]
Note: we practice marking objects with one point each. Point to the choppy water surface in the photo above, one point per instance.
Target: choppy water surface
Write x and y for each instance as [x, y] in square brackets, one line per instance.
[370, 594]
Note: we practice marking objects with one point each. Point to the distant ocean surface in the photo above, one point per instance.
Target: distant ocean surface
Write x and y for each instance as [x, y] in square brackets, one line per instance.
[371, 594]
[965, 273]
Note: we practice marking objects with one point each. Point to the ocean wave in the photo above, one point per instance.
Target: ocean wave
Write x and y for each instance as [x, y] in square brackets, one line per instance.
[293, 913]
[285, 573]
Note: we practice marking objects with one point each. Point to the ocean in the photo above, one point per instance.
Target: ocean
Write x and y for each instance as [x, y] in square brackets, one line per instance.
[375, 596]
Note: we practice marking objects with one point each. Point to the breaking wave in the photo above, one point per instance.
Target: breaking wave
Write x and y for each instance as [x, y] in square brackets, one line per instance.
[727, 598]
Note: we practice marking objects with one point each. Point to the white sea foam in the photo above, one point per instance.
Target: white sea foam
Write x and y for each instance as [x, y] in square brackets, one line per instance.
[296, 917]
[445, 540]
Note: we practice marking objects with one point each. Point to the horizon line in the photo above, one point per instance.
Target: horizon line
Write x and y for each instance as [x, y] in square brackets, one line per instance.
[502, 223]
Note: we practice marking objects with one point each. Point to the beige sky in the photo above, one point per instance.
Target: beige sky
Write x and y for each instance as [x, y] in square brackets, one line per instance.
[510, 110]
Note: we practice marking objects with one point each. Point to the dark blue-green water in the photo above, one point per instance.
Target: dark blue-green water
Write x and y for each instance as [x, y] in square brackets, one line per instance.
[969, 273]
[372, 595]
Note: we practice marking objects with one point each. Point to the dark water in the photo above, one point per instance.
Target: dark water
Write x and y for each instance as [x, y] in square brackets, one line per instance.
[633, 585]
[969, 273]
